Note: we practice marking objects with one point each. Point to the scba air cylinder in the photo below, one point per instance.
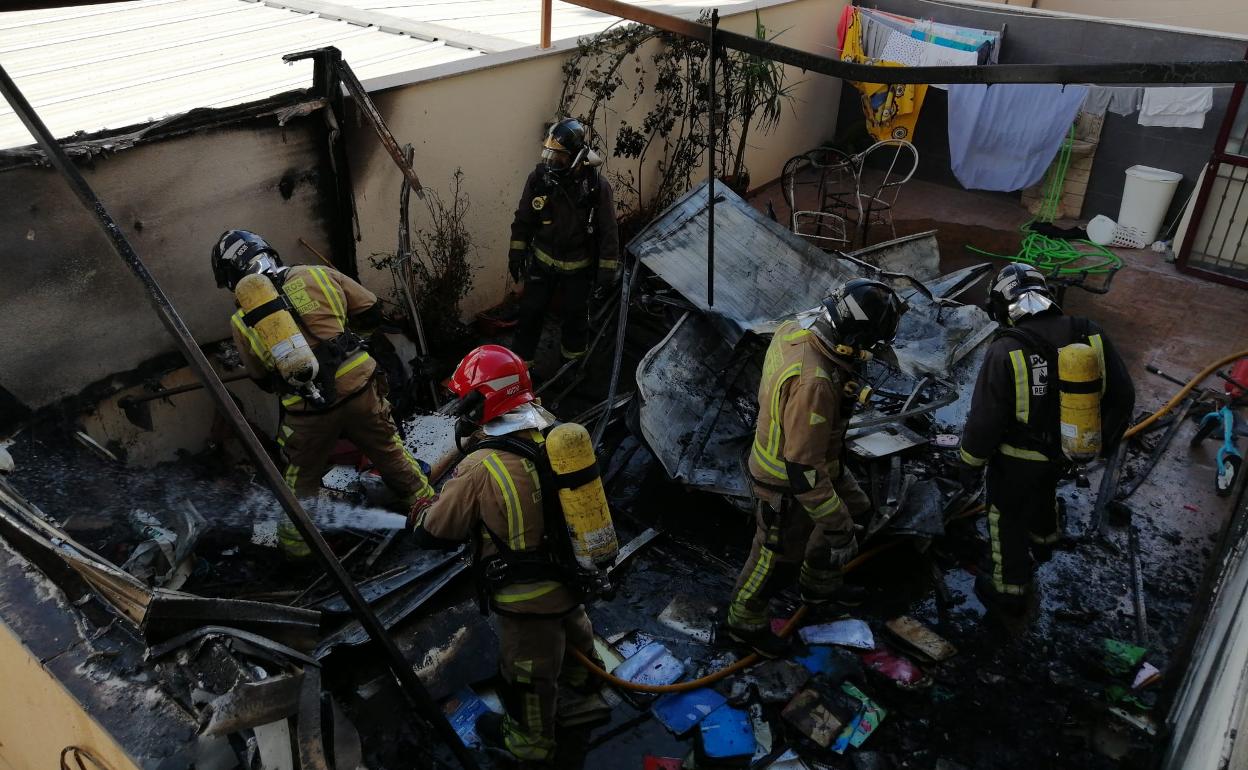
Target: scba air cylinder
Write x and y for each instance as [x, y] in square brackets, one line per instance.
[266, 313]
[571, 453]
[1080, 385]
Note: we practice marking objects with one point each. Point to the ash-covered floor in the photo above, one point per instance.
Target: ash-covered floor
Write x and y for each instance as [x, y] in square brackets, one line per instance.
[1018, 694]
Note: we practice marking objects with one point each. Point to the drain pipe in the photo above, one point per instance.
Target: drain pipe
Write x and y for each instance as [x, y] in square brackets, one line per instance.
[408, 681]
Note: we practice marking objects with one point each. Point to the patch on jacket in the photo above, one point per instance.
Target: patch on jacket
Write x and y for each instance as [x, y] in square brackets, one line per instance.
[1039, 375]
[539, 203]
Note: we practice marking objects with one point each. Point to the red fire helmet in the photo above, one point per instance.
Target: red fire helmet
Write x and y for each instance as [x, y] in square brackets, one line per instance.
[497, 374]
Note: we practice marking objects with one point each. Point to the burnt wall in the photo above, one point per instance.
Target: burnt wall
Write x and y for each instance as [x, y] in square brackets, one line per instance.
[1042, 39]
[74, 315]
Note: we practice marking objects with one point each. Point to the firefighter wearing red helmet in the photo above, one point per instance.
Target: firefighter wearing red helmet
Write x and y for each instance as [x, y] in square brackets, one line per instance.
[495, 499]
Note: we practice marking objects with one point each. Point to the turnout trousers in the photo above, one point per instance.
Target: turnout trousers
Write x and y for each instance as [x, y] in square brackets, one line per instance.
[789, 543]
[535, 658]
[539, 289]
[364, 417]
[1022, 517]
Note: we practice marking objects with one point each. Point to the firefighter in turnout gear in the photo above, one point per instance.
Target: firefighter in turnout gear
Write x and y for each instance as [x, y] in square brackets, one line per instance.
[496, 499]
[806, 498]
[563, 238]
[1014, 427]
[348, 397]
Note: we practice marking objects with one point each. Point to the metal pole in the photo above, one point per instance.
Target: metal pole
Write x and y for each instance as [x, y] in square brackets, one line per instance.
[546, 12]
[1107, 73]
[174, 324]
[710, 162]
[405, 269]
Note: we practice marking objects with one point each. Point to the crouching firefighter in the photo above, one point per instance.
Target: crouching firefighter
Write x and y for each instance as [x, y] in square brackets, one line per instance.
[529, 497]
[1052, 392]
[806, 499]
[295, 330]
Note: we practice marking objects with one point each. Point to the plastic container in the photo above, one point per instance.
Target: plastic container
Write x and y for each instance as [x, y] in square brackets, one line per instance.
[1145, 198]
[1101, 230]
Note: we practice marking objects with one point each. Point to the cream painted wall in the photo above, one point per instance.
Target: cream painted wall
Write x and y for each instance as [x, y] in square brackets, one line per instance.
[1213, 15]
[489, 123]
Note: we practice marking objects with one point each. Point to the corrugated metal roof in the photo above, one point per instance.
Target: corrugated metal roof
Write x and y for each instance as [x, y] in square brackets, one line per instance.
[89, 68]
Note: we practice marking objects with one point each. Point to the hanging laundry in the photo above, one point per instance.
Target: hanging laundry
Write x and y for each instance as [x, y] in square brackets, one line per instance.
[1003, 138]
[1176, 107]
[1119, 100]
[902, 49]
[890, 110]
[875, 37]
[934, 55]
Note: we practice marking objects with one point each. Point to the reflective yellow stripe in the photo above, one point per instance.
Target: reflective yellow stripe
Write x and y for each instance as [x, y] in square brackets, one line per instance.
[826, 508]
[291, 400]
[1099, 346]
[1023, 454]
[525, 591]
[253, 339]
[292, 476]
[608, 264]
[425, 489]
[774, 434]
[569, 355]
[519, 245]
[994, 538]
[559, 264]
[739, 613]
[970, 459]
[1022, 399]
[769, 463]
[796, 335]
[333, 295]
[351, 364]
[511, 500]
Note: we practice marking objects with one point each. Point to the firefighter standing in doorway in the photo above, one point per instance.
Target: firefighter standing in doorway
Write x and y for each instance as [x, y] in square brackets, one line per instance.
[563, 237]
[1014, 427]
[807, 499]
[496, 498]
[348, 396]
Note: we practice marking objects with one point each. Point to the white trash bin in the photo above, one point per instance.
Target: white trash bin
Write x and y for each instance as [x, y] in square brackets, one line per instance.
[1145, 198]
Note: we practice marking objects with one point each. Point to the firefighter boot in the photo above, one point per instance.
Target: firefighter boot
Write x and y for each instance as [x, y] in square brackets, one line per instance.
[762, 640]
[1007, 604]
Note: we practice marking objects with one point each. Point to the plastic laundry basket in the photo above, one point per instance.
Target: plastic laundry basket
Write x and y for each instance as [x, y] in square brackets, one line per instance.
[1145, 198]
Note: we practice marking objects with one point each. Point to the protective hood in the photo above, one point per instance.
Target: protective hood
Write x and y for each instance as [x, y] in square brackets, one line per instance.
[524, 417]
[1030, 303]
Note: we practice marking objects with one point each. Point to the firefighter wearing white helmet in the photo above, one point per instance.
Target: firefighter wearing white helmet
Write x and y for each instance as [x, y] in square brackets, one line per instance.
[807, 499]
[1021, 427]
[295, 330]
[563, 238]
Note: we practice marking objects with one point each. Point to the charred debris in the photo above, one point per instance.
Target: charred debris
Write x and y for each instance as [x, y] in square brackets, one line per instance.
[172, 595]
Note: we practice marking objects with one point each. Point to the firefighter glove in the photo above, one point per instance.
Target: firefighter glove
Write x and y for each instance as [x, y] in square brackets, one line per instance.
[517, 263]
[417, 512]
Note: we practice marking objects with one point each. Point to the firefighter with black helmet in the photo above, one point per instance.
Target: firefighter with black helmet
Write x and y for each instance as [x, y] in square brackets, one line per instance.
[563, 239]
[497, 499]
[1015, 426]
[807, 499]
[295, 331]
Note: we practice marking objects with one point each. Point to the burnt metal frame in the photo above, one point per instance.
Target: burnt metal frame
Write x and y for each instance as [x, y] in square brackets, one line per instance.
[1220, 157]
[410, 684]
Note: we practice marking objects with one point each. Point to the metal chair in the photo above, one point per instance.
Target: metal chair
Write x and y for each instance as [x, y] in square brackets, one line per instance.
[876, 208]
[834, 175]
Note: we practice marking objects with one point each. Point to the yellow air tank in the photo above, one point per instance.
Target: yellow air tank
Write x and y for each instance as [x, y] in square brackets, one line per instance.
[571, 454]
[1079, 375]
[292, 355]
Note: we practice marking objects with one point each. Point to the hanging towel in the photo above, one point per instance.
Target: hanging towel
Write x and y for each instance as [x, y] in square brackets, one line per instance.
[933, 55]
[1176, 107]
[875, 37]
[890, 110]
[1116, 99]
[902, 49]
[1003, 138]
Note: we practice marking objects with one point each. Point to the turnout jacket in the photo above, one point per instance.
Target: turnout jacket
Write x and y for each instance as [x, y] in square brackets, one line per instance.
[1014, 409]
[803, 413]
[569, 224]
[328, 303]
[501, 491]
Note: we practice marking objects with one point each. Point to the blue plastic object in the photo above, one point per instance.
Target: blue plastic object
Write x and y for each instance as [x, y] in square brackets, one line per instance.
[727, 735]
[680, 712]
[462, 709]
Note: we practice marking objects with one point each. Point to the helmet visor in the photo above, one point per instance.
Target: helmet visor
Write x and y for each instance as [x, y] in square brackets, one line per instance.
[1029, 303]
[555, 160]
